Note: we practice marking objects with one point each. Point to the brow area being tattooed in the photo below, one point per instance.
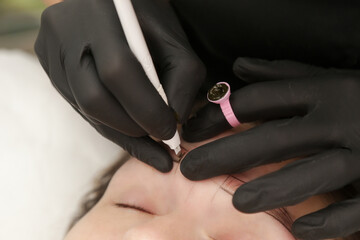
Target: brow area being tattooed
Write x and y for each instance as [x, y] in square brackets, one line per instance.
[231, 183]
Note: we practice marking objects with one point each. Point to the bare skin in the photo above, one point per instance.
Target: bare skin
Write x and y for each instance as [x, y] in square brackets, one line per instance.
[142, 203]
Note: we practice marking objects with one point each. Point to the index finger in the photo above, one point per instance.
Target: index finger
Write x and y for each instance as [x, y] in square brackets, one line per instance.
[267, 143]
[124, 77]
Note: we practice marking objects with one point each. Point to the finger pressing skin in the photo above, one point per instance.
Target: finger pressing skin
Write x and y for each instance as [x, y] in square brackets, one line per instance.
[297, 181]
[145, 149]
[258, 101]
[269, 142]
[124, 77]
[94, 99]
[337, 220]
[258, 70]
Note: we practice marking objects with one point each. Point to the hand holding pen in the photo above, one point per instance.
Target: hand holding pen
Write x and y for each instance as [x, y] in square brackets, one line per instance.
[83, 49]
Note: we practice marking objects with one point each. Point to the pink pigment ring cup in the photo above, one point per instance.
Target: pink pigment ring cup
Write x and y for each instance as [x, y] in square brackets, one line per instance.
[220, 94]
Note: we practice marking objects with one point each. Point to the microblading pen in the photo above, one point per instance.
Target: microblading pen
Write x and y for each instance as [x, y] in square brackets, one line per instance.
[138, 46]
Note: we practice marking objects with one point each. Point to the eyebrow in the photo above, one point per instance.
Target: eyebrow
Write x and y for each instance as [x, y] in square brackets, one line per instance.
[231, 183]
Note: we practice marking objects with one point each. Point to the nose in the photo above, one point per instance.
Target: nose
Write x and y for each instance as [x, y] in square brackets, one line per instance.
[161, 228]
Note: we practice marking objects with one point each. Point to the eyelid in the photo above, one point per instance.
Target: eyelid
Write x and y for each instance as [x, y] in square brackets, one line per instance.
[137, 208]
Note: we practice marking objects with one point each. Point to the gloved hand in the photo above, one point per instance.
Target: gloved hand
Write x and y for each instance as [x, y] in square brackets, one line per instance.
[315, 32]
[310, 112]
[83, 49]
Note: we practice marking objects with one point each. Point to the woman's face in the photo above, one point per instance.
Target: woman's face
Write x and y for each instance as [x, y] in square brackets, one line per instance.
[142, 203]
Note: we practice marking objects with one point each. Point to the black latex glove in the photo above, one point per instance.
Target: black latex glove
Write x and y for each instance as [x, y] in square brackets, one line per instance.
[311, 112]
[324, 33]
[83, 49]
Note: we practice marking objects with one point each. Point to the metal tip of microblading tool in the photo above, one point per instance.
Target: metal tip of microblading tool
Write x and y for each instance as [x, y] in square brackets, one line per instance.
[177, 151]
[182, 156]
[179, 157]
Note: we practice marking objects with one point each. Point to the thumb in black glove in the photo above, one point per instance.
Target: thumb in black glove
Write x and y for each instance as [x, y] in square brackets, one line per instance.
[309, 111]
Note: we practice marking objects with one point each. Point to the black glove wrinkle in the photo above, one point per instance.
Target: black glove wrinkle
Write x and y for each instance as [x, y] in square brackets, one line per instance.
[83, 49]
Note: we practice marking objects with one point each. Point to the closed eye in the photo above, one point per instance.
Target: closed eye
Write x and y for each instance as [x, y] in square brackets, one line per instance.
[123, 205]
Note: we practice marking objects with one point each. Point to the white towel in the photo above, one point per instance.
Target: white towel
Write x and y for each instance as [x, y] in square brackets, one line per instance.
[48, 154]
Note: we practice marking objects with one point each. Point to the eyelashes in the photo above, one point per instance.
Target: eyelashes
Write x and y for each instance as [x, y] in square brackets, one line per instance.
[137, 208]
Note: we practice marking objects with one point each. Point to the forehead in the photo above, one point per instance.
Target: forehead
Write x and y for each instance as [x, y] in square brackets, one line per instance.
[139, 184]
[136, 181]
[136, 171]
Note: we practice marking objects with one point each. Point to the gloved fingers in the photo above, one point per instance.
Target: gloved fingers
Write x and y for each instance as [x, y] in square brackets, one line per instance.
[40, 50]
[179, 68]
[298, 181]
[59, 79]
[337, 220]
[258, 101]
[208, 122]
[258, 70]
[181, 76]
[144, 148]
[124, 77]
[50, 55]
[269, 142]
[94, 100]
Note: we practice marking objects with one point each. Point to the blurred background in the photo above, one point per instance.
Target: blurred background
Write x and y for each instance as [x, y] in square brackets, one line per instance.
[19, 23]
[49, 156]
